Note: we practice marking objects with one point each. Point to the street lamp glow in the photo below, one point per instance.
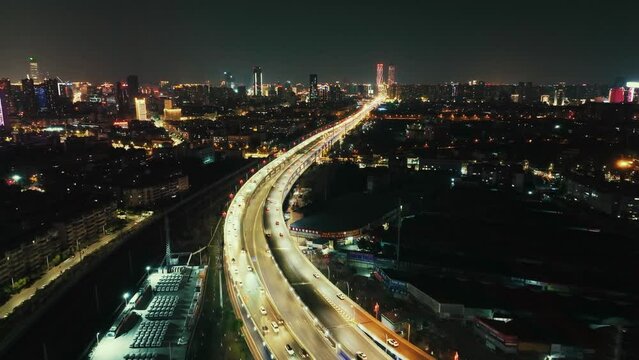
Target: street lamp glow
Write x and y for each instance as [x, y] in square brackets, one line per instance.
[16, 177]
[126, 296]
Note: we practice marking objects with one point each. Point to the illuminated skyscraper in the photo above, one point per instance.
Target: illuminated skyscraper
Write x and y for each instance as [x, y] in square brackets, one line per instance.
[5, 94]
[257, 81]
[34, 74]
[391, 75]
[617, 95]
[380, 75]
[140, 109]
[313, 91]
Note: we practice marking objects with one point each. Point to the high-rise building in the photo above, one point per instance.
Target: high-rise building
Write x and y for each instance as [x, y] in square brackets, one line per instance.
[257, 81]
[5, 100]
[52, 94]
[391, 75]
[560, 94]
[617, 95]
[34, 74]
[313, 91]
[133, 86]
[29, 101]
[380, 75]
[2, 107]
[122, 97]
[140, 109]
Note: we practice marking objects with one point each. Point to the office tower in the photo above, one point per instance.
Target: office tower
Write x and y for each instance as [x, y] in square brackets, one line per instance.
[617, 95]
[140, 109]
[391, 75]
[228, 80]
[29, 101]
[380, 75]
[133, 86]
[335, 93]
[257, 81]
[122, 97]
[51, 90]
[34, 74]
[313, 91]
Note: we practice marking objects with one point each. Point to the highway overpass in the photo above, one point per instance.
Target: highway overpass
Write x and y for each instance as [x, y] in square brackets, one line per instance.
[273, 273]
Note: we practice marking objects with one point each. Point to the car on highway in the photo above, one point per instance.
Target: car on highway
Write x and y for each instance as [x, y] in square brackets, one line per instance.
[341, 296]
[277, 223]
[304, 354]
[281, 235]
[249, 268]
[316, 275]
[275, 327]
[264, 329]
[262, 310]
[232, 260]
[243, 251]
[361, 356]
[289, 349]
[240, 283]
[392, 342]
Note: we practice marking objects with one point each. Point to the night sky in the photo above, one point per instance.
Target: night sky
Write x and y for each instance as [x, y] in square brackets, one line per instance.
[428, 41]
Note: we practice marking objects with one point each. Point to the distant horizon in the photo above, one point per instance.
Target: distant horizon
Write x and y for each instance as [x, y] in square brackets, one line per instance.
[216, 82]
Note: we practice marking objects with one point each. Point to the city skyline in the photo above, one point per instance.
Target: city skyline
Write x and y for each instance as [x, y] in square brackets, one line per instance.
[428, 43]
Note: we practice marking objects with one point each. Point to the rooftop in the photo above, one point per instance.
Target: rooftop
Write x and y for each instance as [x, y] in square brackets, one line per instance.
[157, 320]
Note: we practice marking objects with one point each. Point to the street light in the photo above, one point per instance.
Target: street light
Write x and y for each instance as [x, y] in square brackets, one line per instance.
[126, 297]
[148, 268]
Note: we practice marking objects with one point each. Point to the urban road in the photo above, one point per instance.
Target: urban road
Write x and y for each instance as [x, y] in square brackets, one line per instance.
[271, 280]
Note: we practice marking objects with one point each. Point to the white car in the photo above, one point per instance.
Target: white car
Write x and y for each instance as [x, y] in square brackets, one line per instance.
[275, 327]
[262, 310]
[392, 342]
[289, 349]
[316, 275]
[360, 355]
[341, 296]
[249, 268]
